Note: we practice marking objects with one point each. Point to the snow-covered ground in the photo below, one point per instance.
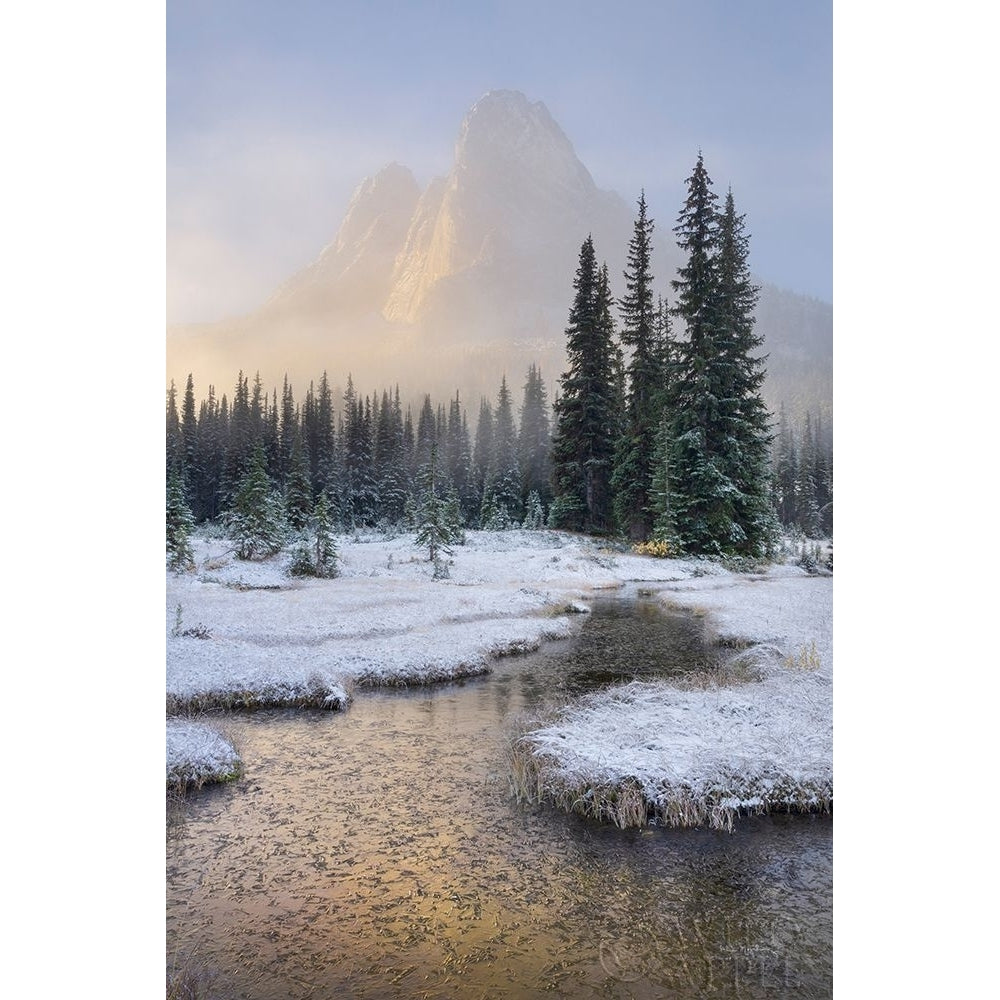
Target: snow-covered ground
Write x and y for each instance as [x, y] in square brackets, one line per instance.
[755, 737]
[198, 753]
[247, 633]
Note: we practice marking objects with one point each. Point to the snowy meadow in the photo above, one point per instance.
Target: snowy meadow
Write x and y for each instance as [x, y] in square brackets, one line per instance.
[752, 733]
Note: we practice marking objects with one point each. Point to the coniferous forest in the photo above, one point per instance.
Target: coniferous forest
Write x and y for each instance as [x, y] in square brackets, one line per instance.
[658, 432]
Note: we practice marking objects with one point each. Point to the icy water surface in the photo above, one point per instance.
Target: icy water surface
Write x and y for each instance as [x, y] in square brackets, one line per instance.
[377, 853]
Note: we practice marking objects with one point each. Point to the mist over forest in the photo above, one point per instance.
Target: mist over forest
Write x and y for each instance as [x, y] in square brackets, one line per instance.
[470, 278]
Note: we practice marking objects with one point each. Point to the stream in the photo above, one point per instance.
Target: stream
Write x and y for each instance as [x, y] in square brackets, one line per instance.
[377, 852]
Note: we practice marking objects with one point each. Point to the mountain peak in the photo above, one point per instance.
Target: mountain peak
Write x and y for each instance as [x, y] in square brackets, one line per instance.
[504, 126]
[516, 191]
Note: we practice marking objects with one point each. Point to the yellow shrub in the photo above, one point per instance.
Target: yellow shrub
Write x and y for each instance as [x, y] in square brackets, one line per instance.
[659, 549]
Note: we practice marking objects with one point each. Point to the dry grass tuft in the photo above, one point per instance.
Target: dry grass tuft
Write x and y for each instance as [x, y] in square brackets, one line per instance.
[723, 673]
[807, 659]
[536, 778]
[315, 692]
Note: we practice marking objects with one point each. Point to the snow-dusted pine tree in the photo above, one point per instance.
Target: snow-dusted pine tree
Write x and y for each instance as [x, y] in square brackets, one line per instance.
[179, 524]
[326, 547]
[255, 520]
[534, 439]
[634, 451]
[434, 529]
[534, 515]
[586, 410]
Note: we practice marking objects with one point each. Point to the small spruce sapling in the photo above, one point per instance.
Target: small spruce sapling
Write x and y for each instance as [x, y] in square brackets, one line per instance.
[180, 522]
[317, 555]
[326, 547]
[534, 518]
[433, 527]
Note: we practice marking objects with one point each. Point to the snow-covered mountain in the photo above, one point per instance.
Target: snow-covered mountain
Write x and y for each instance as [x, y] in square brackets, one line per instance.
[449, 288]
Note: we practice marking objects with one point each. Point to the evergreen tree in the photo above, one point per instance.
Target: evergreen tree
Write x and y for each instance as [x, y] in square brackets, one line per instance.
[633, 472]
[189, 435]
[454, 517]
[272, 439]
[258, 405]
[298, 491]
[317, 555]
[389, 460]
[326, 546]
[210, 461]
[359, 474]
[326, 471]
[506, 476]
[426, 433]
[534, 515]
[703, 498]
[458, 458]
[660, 486]
[433, 526]
[175, 443]
[823, 479]
[586, 411]
[745, 422]
[786, 473]
[534, 440]
[805, 486]
[255, 520]
[288, 429]
[482, 455]
[409, 445]
[180, 522]
[494, 516]
[240, 446]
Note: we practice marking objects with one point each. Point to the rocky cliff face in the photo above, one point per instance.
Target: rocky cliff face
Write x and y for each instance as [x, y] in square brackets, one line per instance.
[356, 269]
[514, 210]
[479, 265]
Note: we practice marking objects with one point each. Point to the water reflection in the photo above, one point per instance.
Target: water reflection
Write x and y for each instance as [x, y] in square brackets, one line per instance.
[376, 853]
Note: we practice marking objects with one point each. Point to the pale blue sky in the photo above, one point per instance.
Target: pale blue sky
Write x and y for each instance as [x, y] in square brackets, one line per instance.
[275, 111]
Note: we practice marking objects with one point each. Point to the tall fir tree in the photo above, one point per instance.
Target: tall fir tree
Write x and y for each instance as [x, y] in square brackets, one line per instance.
[703, 499]
[175, 442]
[745, 421]
[389, 460]
[506, 475]
[298, 490]
[458, 457]
[786, 472]
[633, 471]
[272, 438]
[805, 485]
[240, 444]
[586, 414]
[426, 432]
[211, 441]
[325, 461]
[189, 435]
[482, 454]
[534, 440]
[289, 427]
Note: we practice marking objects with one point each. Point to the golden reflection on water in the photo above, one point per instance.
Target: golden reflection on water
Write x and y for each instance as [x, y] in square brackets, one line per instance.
[376, 853]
